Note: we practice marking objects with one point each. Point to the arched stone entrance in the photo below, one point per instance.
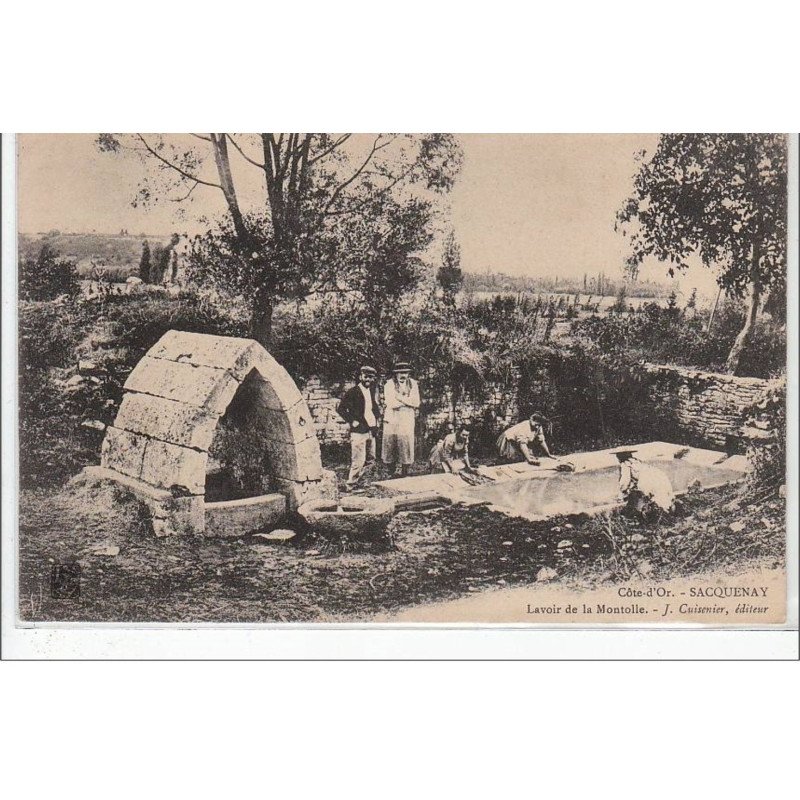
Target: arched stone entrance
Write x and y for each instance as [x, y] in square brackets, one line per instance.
[158, 445]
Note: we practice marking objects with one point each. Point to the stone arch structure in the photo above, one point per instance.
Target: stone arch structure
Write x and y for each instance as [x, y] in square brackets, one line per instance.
[158, 445]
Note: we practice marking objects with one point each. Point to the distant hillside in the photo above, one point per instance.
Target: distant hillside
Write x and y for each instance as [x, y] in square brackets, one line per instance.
[590, 283]
[113, 250]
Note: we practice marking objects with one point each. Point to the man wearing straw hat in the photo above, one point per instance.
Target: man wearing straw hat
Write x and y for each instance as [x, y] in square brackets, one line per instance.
[401, 401]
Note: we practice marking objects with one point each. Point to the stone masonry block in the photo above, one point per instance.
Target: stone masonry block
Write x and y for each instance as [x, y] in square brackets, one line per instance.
[299, 492]
[169, 515]
[297, 462]
[141, 489]
[170, 466]
[169, 420]
[280, 391]
[202, 349]
[292, 426]
[234, 518]
[205, 387]
[179, 516]
[123, 451]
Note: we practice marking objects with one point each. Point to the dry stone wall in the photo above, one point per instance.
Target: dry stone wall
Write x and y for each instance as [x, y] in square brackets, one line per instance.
[701, 407]
[322, 398]
[705, 407]
[435, 414]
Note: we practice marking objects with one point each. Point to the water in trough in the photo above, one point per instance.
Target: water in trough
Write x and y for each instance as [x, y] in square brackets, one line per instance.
[554, 493]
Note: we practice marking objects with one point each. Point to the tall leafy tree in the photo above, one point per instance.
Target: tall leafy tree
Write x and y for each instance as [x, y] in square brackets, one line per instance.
[722, 197]
[621, 303]
[449, 274]
[336, 213]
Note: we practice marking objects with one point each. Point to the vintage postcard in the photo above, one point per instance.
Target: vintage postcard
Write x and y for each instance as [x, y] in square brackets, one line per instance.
[408, 379]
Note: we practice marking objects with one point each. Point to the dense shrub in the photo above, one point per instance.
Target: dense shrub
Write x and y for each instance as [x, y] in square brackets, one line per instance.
[139, 321]
[593, 400]
[49, 332]
[114, 336]
[671, 335]
[507, 330]
[768, 456]
[331, 341]
[47, 276]
[335, 338]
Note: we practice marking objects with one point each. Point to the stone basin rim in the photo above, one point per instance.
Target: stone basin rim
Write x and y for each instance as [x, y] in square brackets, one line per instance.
[347, 505]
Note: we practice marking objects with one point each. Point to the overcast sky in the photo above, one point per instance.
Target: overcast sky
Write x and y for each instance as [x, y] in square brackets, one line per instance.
[523, 204]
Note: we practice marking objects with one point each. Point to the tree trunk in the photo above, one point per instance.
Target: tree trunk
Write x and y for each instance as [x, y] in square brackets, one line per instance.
[713, 311]
[261, 319]
[743, 339]
[222, 160]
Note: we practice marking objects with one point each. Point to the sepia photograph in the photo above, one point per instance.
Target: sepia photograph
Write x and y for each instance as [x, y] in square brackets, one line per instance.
[402, 379]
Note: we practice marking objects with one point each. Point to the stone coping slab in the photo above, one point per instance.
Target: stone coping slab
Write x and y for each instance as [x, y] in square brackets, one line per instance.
[244, 502]
[207, 387]
[168, 420]
[133, 484]
[437, 482]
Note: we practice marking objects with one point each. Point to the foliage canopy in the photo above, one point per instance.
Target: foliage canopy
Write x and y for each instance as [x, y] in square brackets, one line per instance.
[722, 197]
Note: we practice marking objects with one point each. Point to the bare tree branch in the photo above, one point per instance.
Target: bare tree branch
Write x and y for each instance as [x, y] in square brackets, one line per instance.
[186, 196]
[220, 145]
[274, 194]
[376, 145]
[244, 155]
[378, 193]
[305, 166]
[175, 167]
[284, 159]
[293, 172]
[328, 150]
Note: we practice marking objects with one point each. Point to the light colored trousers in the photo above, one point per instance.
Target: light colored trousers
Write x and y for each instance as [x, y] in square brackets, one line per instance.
[362, 445]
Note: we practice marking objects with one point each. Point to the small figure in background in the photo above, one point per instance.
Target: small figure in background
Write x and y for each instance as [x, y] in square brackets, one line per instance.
[645, 489]
[401, 399]
[526, 440]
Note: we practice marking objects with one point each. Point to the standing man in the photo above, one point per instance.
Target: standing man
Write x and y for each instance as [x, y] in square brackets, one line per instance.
[359, 409]
[401, 398]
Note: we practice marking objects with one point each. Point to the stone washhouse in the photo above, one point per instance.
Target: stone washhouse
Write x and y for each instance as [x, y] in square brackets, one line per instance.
[158, 446]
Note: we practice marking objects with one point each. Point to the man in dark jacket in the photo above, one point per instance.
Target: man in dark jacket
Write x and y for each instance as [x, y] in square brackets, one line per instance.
[359, 409]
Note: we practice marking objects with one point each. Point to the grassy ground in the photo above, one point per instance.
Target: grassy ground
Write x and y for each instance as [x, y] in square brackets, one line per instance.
[439, 554]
